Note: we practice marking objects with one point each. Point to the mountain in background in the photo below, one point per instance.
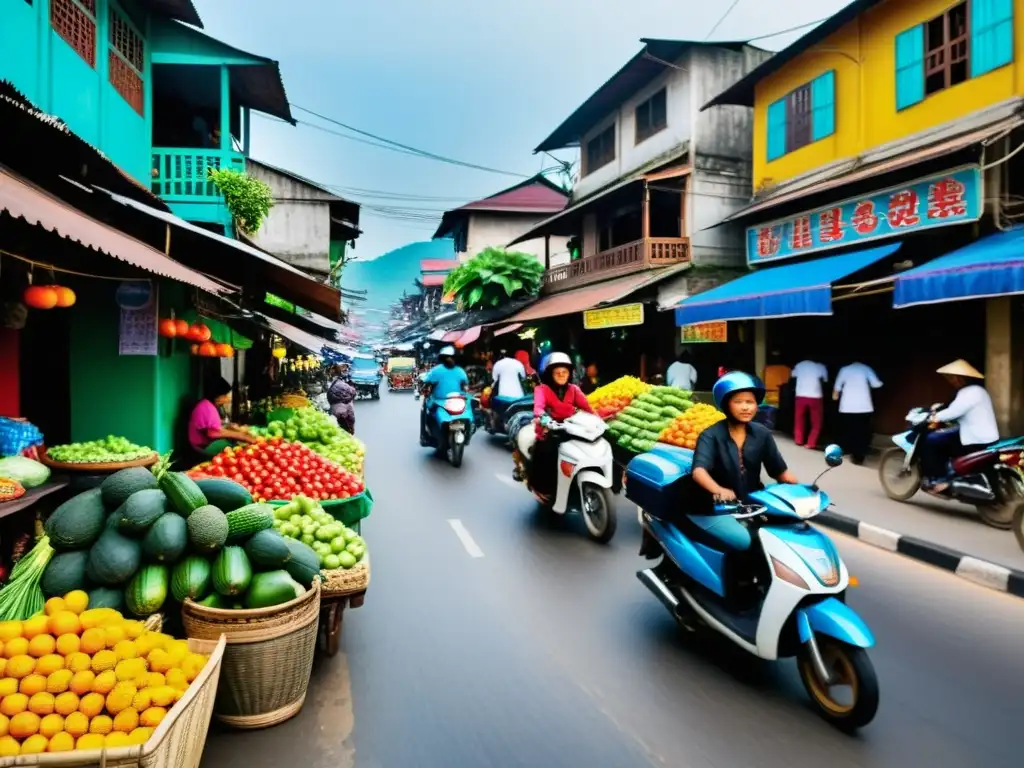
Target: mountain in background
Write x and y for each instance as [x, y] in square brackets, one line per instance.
[388, 276]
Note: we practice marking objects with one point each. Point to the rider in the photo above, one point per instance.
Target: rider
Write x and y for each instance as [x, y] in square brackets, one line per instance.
[443, 380]
[509, 376]
[975, 417]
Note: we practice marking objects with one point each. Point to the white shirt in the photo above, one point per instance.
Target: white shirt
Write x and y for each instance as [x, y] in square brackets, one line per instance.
[972, 410]
[681, 375]
[854, 383]
[506, 373]
[809, 375]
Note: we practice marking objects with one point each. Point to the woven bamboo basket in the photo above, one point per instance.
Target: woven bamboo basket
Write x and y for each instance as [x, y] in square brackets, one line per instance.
[342, 581]
[268, 659]
[177, 742]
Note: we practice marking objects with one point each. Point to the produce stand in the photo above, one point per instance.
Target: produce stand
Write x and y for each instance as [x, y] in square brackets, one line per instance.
[98, 467]
[33, 495]
[343, 589]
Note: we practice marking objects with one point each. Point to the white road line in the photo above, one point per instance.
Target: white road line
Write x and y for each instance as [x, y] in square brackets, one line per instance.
[465, 538]
[507, 479]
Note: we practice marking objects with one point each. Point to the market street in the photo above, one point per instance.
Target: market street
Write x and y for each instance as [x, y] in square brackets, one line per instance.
[492, 636]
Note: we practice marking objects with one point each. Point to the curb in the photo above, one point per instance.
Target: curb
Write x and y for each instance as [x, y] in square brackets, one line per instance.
[998, 577]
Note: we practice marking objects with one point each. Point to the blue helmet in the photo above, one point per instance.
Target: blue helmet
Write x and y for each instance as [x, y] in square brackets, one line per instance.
[733, 382]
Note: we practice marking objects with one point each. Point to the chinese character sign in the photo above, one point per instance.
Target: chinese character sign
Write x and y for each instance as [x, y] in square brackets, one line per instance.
[613, 317]
[952, 198]
[705, 333]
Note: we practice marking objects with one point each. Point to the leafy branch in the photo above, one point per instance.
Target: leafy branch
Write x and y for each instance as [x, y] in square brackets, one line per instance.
[493, 277]
[249, 200]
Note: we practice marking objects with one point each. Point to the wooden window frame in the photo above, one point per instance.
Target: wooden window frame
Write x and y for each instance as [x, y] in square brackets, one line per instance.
[799, 118]
[88, 9]
[119, 62]
[941, 60]
[603, 160]
[647, 108]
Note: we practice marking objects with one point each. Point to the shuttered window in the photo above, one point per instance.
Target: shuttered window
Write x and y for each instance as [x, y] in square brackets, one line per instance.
[777, 130]
[991, 35]
[823, 106]
[910, 67]
[75, 22]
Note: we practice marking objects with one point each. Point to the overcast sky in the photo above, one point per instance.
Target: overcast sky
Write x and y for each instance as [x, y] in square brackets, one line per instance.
[483, 81]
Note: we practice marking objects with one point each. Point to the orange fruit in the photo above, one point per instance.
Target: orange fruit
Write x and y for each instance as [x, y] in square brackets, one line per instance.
[66, 703]
[8, 686]
[140, 735]
[9, 630]
[151, 680]
[126, 721]
[59, 681]
[177, 680]
[114, 633]
[34, 745]
[68, 644]
[116, 739]
[162, 696]
[101, 724]
[76, 724]
[9, 747]
[121, 697]
[3, 667]
[97, 617]
[126, 649]
[93, 640]
[82, 682]
[5, 725]
[61, 742]
[89, 741]
[134, 629]
[20, 666]
[51, 725]
[41, 703]
[65, 623]
[91, 704]
[49, 664]
[17, 646]
[103, 661]
[105, 682]
[130, 669]
[78, 662]
[32, 684]
[142, 700]
[152, 717]
[54, 605]
[159, 660]
[24, 724]
[37, 625]
[76, 601]
[14, 704]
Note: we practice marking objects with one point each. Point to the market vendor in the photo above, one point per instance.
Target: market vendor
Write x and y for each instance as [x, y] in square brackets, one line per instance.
[207, 433]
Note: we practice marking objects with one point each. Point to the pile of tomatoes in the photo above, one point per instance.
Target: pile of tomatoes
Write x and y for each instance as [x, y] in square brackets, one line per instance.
[276, 469]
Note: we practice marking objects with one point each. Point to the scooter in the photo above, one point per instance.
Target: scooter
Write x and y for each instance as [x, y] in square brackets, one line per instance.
[759, 575]
[450, 425]
[585, 469]
[499, 418]
[990, 480]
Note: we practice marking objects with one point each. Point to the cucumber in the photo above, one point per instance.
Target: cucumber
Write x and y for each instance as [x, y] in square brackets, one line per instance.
[64, 573]
[182, 492]
[213, 600]
[272, 588]
[78, 522]
[267, 549]
[142, 509]
[231, 572]
[113, 559]
[253, 518]
[147, 591]
[166, 539]
[191, 578]
[117, 488]
[304, 565]
[224, 494]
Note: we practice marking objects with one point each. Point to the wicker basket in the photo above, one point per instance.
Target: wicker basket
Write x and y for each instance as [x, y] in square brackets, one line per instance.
[342, 581]
[177, 742]
[268, 659]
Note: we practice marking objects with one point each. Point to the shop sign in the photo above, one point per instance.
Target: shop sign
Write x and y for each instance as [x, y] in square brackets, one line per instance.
[613, 317]
[134, 294]
[954, 197]
[138, 328]
[706, 333]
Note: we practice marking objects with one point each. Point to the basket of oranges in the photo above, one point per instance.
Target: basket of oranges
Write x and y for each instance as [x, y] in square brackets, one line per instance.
[87, 687]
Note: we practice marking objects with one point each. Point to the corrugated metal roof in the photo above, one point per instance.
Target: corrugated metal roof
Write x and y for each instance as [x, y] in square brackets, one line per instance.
[21, 199]
[181, 10]
[578, 300]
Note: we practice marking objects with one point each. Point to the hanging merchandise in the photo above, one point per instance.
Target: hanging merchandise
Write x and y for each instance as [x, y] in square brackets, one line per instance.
[225, 350]
[199, 332]
[168, 328]
[181, 328]
[40, 297]
[208, 349]
[65, 296]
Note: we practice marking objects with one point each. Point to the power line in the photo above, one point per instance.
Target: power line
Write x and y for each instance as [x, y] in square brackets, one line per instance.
[722, 18]
[797, 28]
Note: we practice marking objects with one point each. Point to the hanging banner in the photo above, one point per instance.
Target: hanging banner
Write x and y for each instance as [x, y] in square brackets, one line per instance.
[139, 304]
[613, 317]
[954, 197]
[705, 333]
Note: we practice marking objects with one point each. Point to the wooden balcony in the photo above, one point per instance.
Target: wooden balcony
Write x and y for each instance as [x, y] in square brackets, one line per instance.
[181, 175]
[627, 259]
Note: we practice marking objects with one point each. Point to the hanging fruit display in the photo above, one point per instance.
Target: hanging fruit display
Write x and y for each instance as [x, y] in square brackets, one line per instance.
[199, 332]
[195, 349]
[40, 297]
[181, 328]
[208, 349]
[225, 350]
[169, 328]
[65, 296]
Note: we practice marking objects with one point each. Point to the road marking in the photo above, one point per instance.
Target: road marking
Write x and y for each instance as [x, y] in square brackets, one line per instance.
[465, 538]
[507, 479]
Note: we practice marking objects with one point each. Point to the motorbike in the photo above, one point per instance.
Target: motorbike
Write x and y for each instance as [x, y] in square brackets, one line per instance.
[760, 575]
[990, 479]
[418, 393]
[450, 426]
[501, 413]
[585, 469]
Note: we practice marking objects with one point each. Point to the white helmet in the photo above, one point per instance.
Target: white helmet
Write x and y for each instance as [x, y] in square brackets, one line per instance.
[556, 358]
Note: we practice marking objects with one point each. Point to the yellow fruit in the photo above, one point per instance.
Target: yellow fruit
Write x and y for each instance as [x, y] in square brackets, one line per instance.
[134, 629]
[3, 667]
[116, 739]
[152, 717]
[82, 682]
[90, 741]
[66, 703]
[65, 623]
[177, 695]
[121, 697]
[8, 686]
[151, 680]
[51, 725]
[14, 704]
[20, 666]
[126, 650]
[98, 617]
[9, 630]
[93, 640]
[32, 684]
[61, 742]
[76, 724]
[37, 625]
[177, 650]
[105, 682]
[68, 644]
[103, 661]
[126, 721]
[114, 634]
[162, 696]
[5, 725]
[59, 681]
[34, 745]
[159, 660]
[177, 679]
[91, 704]
[49, 664]
[9, 747]
[54, 605]
[130, 669]
[76, 601]
[192, 665]
[101, 724]
[140, 736]
[142, 700]
[24, 724]
[16, 647]
[41, 703]
[78, 662]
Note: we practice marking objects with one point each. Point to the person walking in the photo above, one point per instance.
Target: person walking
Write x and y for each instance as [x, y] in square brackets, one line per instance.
[852, 389]
[809, 376]
[681, 374]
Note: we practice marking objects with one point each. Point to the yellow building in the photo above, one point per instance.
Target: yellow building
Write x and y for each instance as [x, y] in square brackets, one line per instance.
[885, 165]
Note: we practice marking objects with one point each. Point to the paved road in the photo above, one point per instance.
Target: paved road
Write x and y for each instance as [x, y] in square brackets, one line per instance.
[527, 645]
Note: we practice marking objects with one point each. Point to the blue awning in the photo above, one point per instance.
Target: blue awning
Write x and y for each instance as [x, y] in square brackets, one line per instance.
[789, 291]
[991, 266]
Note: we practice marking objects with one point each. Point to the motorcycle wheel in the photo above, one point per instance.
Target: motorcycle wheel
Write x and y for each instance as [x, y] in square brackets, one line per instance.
[598, 513]
[1000, 516]
[896, 483]
[1018, 525]
[851, 667]
[455, 454]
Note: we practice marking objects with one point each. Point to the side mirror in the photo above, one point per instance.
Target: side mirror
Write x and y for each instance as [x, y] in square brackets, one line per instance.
[833, 455]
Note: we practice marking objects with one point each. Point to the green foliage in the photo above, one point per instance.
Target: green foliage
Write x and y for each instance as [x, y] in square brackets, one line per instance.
[493, 277]
[249, 200]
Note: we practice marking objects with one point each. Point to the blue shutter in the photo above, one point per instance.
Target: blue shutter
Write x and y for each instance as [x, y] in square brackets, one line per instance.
[910, 67]
[991, 35]
[823, 105]
[776, 130]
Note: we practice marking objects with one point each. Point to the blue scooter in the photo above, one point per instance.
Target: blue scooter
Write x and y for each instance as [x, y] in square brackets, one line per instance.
[503, 411]
[450, 426]
[760, 575]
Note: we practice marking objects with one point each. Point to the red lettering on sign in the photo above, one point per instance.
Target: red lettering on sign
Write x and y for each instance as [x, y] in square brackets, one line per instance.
[801, 233]
[864, 219]
[768, 242]
[946, 198]
[903, 209]
[830, 225]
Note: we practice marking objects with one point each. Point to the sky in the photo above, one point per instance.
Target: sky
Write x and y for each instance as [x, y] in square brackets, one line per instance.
[481, 81]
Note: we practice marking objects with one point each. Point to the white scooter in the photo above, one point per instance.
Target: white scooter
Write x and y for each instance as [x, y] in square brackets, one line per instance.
[585, 470]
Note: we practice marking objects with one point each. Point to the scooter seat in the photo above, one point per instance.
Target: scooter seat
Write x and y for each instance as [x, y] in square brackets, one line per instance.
[720, 531]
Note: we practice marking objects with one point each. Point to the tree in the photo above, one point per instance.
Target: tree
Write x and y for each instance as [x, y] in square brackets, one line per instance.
[493, 277]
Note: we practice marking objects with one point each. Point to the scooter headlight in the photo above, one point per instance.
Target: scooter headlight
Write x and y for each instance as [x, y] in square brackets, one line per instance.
[822, 563]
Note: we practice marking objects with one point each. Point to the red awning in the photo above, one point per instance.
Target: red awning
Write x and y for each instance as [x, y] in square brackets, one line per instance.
[451, 336]
[508, 329]
[22, 199]
[468, 337]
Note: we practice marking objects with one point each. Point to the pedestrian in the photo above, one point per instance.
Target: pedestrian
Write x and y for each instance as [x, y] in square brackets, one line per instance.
[590, 381]
[681, 374]
[852, 389]
[809, 376]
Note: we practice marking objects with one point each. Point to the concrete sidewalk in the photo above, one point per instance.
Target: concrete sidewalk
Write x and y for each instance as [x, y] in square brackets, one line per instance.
[941, 533]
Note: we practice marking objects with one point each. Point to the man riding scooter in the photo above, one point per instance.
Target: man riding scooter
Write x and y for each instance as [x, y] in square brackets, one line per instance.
[444, 379]
[508, 376]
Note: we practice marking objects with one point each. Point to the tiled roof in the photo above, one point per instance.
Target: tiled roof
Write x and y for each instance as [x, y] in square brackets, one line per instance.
[431, 281]
[535, 197]
[438, 265]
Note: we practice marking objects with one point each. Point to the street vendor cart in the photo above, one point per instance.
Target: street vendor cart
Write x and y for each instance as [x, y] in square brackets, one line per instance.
[401, 374]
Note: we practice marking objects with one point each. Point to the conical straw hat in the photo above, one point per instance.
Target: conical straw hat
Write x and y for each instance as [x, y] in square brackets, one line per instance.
[961, 368]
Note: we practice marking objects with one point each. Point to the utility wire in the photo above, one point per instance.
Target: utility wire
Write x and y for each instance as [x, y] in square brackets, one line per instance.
[722, 18]
[797, 28]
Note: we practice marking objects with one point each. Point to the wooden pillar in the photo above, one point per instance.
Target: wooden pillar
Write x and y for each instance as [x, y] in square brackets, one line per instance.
[683, 199]
[547, 252]
[645, 213]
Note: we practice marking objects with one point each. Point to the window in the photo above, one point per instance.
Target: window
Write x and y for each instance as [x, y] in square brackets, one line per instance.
[601, 149]
[946, 47]
[75, 22]
[126, 61]
[651, 116]
[803, 116]
[798, 118]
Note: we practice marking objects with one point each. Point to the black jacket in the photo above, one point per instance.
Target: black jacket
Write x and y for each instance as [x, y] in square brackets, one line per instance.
[717, 453]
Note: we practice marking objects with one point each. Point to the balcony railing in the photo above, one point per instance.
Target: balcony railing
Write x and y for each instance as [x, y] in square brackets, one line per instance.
[181, 175]
[639, 255]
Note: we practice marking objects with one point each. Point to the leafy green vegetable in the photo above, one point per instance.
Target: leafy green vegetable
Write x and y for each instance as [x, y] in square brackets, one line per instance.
[26, 471]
